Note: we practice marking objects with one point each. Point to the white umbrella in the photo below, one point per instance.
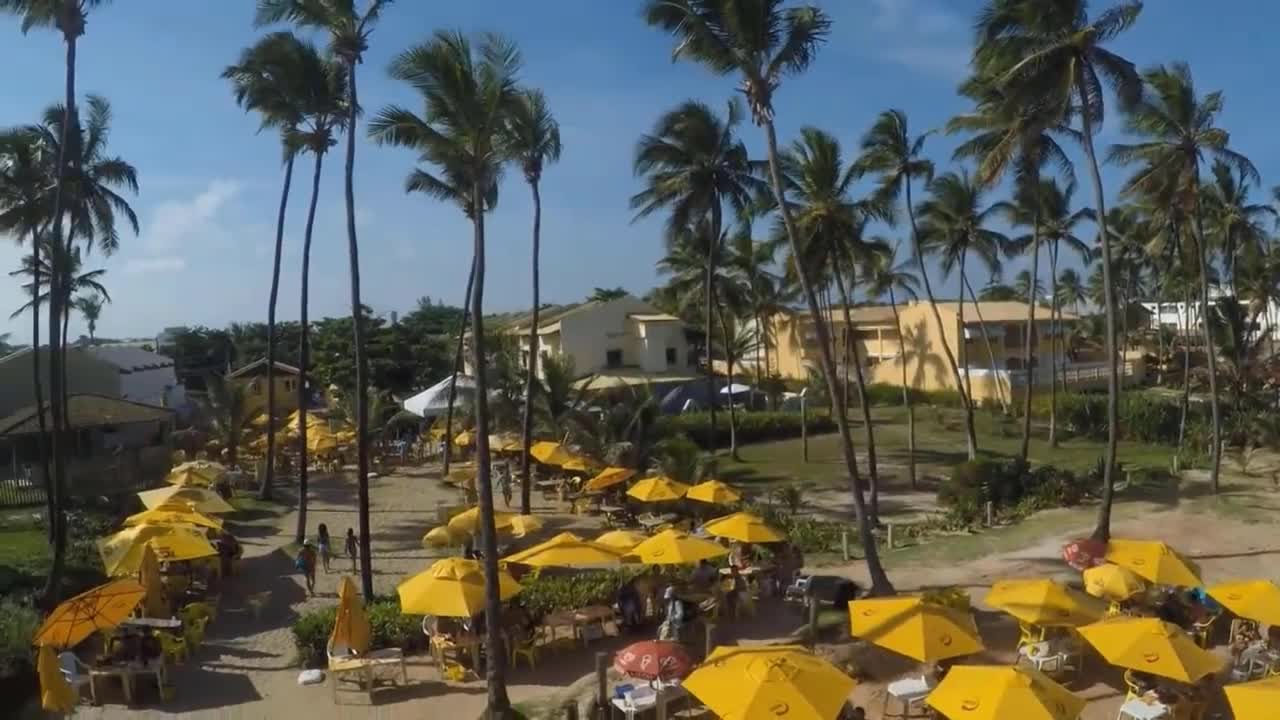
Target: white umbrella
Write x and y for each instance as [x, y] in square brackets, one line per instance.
[435, 399]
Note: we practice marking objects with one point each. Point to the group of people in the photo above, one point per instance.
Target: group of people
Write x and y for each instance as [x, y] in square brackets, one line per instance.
[321, 553]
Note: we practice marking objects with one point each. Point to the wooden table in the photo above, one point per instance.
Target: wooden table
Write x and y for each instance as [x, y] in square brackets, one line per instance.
[576, 620]
[154, 623]
[128, 674]
[650, 522]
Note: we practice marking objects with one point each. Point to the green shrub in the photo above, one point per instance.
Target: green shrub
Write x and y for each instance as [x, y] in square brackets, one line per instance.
[1013, 489]
[888, 394]
[1144, 417]
[388, 628]
[18, 624]
[751, 427]
[545, 593]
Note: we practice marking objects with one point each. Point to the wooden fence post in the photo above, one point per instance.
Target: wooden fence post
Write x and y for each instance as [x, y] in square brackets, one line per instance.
[813, 620]
[602, 683]
[889, 536]
[844, 544]
[804, 426]
[991, 514]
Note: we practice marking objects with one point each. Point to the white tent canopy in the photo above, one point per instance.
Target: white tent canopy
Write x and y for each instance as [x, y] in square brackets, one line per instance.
[435, 399]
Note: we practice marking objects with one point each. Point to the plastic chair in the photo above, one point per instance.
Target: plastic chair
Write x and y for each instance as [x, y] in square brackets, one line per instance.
[197, 611]
[525, 647]
[1134, 690]
[173, 648]
[258, 602]
[1029, 635]
[1202, 630]
[193, 632]
[445, 653]
[71, 668]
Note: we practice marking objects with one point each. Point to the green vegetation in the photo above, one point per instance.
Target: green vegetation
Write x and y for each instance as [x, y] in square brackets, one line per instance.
[389, 628]
[750, 428]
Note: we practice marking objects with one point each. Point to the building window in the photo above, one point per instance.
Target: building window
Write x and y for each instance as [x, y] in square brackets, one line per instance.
[613, 358]
[255, 388]
[672, 357]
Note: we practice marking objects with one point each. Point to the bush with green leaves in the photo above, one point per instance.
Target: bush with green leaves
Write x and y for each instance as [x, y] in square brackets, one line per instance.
[1014, 489]
[18, 625]
[388, 628]
[1144, 417]
[751, 427]
[890, 395]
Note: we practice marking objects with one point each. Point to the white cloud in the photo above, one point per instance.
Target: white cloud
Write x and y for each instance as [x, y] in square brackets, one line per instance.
[168, 263]
[921, 36]
[175, 221]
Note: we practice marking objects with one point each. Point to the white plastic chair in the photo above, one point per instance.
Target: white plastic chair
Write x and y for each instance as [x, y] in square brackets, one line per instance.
[72, 668]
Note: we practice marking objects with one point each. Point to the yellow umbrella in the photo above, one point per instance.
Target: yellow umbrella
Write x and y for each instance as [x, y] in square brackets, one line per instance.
[173, 514]
[464, 438]
[550, 453]
[56, 694]
[1252, 599]
[607, 478]
[568, 550]
[1154, 561]
[786, 681]
[579, 463]
[1255, 700]
[452, 587]
[658, 489]
[196, 473]
[322, 442]
[714, 492]
[743, 527]
[350, 626]
[1112, 582]
[345, 437]
[621, 539]
[1152, 646]
[462, 474]
[156, 603]
[922, 631]
[101, 608]
[1045, 603]
[205, 501]
[989, 692]
[122, 552]
[441, 537]
[522, 525]
[672, 547]
[468, 521]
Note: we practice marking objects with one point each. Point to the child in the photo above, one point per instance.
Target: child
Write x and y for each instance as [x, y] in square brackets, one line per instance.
[322, 533]
[351, 548]
[306, 562]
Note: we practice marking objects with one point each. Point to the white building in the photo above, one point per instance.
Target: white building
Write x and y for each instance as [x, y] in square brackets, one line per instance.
[1184, 317]
[145, 377]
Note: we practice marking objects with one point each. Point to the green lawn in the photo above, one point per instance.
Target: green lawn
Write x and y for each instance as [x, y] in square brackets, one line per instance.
[23, 546]
[940, 444]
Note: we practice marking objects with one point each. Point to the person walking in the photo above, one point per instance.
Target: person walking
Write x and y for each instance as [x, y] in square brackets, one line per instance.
[306, 562]
[322, 533]
[352, 548]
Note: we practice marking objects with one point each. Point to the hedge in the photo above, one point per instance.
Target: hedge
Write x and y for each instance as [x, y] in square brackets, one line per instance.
[1014, 489]
[18, 624]
[891, 395]
[1144, 417]
[751, 427]
[389, 628]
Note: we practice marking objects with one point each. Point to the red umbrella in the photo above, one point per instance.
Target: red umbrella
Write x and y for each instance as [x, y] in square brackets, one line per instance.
[1084, 554]
[653, 660]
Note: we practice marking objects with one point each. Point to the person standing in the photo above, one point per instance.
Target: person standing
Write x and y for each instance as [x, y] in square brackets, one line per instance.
[306, 562]
[352, 548]
[322, 533]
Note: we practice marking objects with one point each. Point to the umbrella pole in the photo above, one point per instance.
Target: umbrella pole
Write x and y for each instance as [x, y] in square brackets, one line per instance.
[602, 681]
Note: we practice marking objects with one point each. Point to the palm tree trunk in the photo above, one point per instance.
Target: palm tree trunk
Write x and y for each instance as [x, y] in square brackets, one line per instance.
[906, 394]
[37, 385]
[971, 437]
[457, 369]
[362, 358]
[56, 407]
[733, 412]
[1184, 322]
[1103, 530]
[712, 246]
[1028, 350]
[268, 478]
[1054, 312]
[1202, 251]
[863, 400]
[496, 671]
[880, 584]
[967, 390]
[986, 340]
[1160, 333]
[304, 354]
[531, 377]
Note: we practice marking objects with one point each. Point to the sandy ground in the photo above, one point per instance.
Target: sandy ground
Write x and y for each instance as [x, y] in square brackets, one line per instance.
[245, 668]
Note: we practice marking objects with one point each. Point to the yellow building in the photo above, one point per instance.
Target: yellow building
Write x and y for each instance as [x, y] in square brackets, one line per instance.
[254, 378]
[885, 348]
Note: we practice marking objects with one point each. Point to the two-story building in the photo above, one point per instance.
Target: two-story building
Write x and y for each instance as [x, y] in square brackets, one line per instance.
[625, 336]
[912, 339]
[253, 377]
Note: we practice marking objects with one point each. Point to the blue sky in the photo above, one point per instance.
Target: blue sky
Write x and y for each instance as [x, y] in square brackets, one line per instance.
[210, 182]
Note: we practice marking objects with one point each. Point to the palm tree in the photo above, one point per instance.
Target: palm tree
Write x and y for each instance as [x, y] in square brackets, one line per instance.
[230, 416]
[762, 42]
[1236, 222]
[954, 226]
[693, 163]
[56, 261]
[534, 140]
[819, 183]
[1070, 290]
[265, 80]
[68, 17]
[90, 308]
[1178, 128]
[889, 150]
[349, 33]
[606, 294]
[1026, 287]
[1047, 211]
[469, 96]
[749, 261]
[1052, 57]
[304, 95]
[885, 277]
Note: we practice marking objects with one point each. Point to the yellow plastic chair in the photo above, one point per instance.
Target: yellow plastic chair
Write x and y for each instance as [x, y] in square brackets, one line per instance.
[197, 611]
[1202, 630]
[193, 633]
[1133, 690]
[445, 653]
[173, 648]
[1029, 635]
[525, 647]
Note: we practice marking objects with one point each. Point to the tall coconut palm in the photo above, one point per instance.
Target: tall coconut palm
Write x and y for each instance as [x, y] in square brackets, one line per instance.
[265, 80]
[68, 266]
[25, 213]
[890, 151]
[469, 94]
[533, 141]
[1070, 290]
[1178, 128]
[955, 219]
[302, 94]
[1236, 222]
[1053, 57]
[348, 32]
[69, 18]
[818, 183]
[749, 261]
[693, 163]
[762, 42]
[90, 308]
[885, 277]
